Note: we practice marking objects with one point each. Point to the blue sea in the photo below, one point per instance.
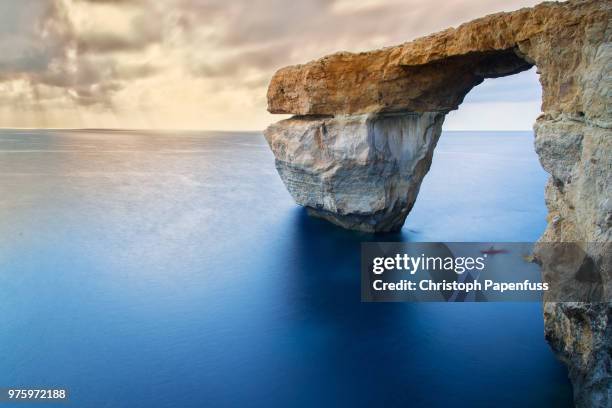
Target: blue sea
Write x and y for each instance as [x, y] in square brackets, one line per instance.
[172, 269]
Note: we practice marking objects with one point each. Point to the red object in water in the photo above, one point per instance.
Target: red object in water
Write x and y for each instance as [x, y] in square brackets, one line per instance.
[493, 251]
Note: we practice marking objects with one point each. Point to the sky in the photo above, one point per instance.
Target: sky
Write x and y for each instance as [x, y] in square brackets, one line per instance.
[206, 64]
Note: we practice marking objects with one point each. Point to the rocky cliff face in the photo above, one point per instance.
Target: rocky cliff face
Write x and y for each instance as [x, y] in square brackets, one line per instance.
[366, 125]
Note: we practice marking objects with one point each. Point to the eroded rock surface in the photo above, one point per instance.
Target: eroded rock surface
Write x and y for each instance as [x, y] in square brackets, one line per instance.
[360, 171]
[366, 125]
[578, 155]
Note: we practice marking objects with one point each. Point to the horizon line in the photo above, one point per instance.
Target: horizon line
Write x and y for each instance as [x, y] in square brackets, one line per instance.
[219, 130]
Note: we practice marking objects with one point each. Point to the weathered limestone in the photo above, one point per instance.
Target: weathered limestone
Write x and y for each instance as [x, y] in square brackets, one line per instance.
[360, 171]
[569, 43]
[434, 73]
[578, 155]
[367, 124]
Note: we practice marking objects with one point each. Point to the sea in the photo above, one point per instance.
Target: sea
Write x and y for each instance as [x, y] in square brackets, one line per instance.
[173, 269]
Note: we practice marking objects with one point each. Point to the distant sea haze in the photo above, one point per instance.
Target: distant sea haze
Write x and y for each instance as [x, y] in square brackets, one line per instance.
[174, 269]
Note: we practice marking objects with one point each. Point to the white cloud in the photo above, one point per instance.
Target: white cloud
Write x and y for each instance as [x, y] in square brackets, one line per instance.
[202, 63]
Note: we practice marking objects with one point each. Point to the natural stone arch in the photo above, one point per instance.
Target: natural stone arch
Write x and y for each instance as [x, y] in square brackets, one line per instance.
[350, 104]
[366, 124]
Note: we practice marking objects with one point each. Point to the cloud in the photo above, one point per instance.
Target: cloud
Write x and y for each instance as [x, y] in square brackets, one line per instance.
[33, 35]
[121, 2]
[44, 45]
[235, 64]
[141, 34]
[137, 58]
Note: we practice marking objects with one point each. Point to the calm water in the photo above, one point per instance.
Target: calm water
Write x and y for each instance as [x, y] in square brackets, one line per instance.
[173, 270]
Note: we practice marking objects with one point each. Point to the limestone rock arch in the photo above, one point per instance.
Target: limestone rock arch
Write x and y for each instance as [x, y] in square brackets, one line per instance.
[365, 126]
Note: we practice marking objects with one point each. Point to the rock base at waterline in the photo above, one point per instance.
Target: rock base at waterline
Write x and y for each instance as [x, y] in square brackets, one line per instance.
[361, 172]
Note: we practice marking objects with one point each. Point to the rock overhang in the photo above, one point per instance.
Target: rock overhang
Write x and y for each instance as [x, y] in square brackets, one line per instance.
[435, 72]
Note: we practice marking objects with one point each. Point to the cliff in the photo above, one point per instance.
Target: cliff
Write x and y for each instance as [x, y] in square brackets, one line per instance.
[366, 125]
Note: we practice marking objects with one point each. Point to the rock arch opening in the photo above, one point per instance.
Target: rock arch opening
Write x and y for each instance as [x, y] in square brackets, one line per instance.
[485, 181]
[363, 170]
